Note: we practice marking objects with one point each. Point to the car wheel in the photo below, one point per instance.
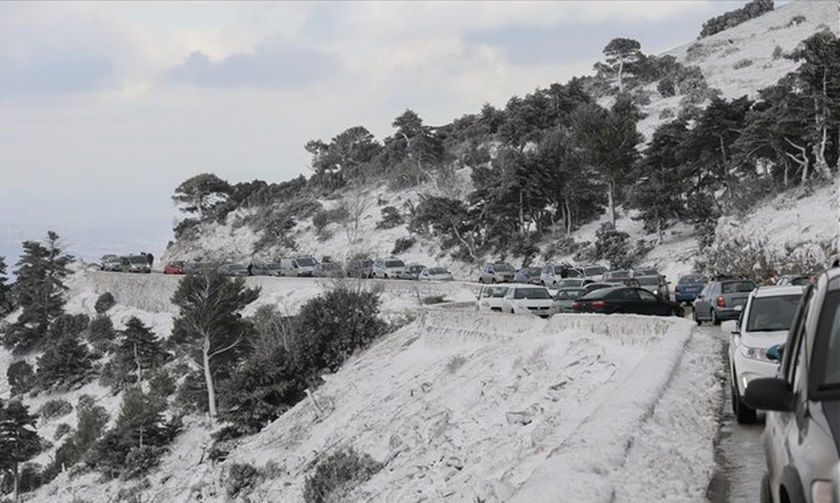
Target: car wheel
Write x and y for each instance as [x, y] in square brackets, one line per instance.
[743, 412]
[480, 280]
[696, 319]
[714, 318]
[493, 280]
[765, 495]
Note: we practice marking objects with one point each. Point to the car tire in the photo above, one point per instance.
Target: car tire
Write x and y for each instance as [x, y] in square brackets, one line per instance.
[765, 495]
[480, 280]
[714, 318]
[696, 319]
[744, 414]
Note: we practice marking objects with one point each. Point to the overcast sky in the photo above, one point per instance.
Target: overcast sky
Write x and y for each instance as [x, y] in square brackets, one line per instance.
[106, 107]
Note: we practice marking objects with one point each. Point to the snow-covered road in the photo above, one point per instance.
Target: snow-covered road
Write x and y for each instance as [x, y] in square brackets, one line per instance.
[739, 456]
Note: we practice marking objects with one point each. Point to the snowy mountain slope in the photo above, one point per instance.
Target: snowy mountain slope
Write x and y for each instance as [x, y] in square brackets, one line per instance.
[520, 390]
[755, 41]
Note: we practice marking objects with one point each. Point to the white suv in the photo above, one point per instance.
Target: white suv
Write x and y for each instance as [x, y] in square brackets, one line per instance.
[764, 322]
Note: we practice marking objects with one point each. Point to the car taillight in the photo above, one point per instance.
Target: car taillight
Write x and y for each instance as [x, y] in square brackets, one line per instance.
[721, 301]
[576, 305]
[598, 303]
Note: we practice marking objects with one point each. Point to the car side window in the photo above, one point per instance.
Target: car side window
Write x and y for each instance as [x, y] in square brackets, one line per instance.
[646, 296]
[796, 336]
[798, 367]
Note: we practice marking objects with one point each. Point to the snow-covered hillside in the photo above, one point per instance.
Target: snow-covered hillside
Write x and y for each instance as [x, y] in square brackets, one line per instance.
[478, 406]
[738, 61]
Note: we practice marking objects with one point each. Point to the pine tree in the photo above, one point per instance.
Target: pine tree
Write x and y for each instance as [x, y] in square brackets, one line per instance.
[19, 441]
[5, 290]
[139, 351]
[66, 359]
[209, 323]
[40, 292]
[621, 54]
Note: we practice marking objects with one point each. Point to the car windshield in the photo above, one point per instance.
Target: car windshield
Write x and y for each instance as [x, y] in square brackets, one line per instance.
[437, 270]
[503, 268]
[771, 314]
[305, 262]
[531, 293]
[138, 260]
[568, 294]
[691, 279]
[737, 287]
[495, 291]
[649, 281]
[594, 271]
[394, 263]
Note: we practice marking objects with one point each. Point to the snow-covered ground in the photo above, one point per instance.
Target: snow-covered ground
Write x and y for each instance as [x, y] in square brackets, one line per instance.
[465, 406]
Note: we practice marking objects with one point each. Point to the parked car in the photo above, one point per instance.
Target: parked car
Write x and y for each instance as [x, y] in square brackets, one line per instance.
[802, 429]
[552, 274]
[794, 279]
[688, 287]
[655, 285]
[359, 268]
[390, 267]
[269, 269]
[566, 298]
[529, 299]
[411, 271]
[496, 273]
[626, 300]
[135, 263]
[298, 266]
[110, 263]
[594, 272]
[572, 283]
[645, 271]
[528, 275]
[591, 287]
[234, 269]
[175, 267]
[491, 298]
[435, 274]
[618, 274]
[764, 322]
[194, 267]
[328, 270]
[722, 300]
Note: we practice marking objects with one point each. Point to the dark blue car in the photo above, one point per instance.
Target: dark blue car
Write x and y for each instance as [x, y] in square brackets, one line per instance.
[688, 287]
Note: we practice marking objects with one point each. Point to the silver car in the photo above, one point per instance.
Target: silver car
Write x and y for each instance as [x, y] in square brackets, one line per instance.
[722, 300]
[802, 430]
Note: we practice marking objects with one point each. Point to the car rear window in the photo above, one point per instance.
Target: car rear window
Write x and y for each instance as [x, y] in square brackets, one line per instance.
[772, 313]
[305, 262]
[568, 294]
[685, 280]
[503, 268]
[649, 281]
[593, 271]
[532, 271]
[138, 260]
[737, 287]
[531, 293]
[394, 263]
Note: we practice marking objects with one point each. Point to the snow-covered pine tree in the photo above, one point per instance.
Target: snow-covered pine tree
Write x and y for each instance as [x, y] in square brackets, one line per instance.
[19, 441]
[39, 289]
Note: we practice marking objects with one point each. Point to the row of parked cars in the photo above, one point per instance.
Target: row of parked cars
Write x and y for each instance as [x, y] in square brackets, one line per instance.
[384, 268]
[784, 359]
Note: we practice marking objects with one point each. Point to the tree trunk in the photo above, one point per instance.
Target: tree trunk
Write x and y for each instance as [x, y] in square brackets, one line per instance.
[16, 488]
[521, 215]
[139, 368]
[208, 377]
[620, 75]
[610, 201]
[659, 232]
[568, 215]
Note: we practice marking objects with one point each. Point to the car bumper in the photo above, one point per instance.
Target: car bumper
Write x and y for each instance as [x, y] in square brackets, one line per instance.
[726, 314]
[748, 370]
[685, 297]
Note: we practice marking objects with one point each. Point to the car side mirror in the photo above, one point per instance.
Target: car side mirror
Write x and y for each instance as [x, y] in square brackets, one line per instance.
[775, 352]
[769, 393]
